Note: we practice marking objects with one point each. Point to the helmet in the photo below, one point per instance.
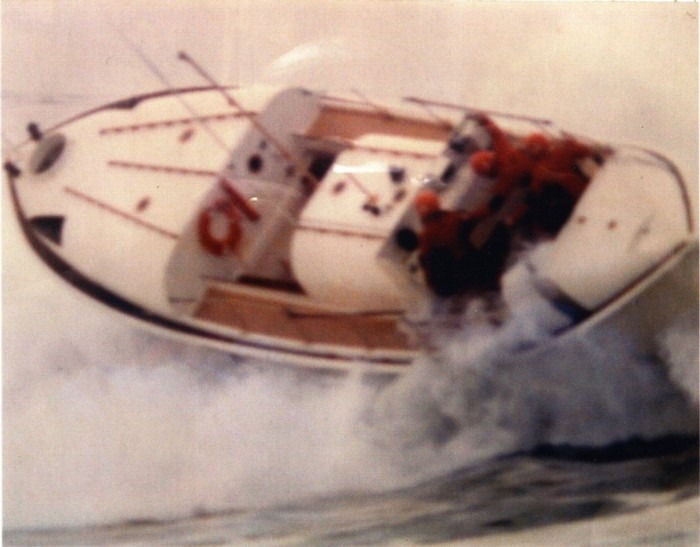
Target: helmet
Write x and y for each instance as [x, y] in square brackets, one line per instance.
[536, 145]
[426, 203]
[483, 162]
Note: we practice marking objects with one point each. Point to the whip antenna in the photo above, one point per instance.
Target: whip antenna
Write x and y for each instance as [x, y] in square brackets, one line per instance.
[164, 80]
[238, 198]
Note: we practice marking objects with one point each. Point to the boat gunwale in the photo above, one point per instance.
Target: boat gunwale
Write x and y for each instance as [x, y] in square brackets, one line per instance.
[127, 104]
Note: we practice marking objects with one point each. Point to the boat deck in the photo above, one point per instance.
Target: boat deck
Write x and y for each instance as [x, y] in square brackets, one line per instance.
[300, 321]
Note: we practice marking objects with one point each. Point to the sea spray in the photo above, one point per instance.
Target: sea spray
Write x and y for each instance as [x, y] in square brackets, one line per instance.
[679, 341]
[104, 423]
[680, 352]
[453, 386]
[492, 389]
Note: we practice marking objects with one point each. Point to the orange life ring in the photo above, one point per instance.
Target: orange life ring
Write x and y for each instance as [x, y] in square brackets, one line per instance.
[219, 245]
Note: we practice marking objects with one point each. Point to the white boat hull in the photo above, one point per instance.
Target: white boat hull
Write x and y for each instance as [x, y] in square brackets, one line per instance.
[113, 213]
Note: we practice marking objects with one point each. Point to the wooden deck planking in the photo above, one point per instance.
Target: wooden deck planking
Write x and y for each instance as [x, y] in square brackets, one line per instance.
[347, 123]
[301, 322]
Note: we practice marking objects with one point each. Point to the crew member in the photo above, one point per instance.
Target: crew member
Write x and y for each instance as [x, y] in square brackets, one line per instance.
[452, 264]
[548, 170]
[557, 184]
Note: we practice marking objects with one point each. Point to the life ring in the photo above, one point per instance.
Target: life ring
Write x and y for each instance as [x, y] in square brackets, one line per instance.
[232, 237]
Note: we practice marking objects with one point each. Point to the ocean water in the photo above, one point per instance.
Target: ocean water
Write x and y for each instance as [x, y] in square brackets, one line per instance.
[112, 435]
[132, 437]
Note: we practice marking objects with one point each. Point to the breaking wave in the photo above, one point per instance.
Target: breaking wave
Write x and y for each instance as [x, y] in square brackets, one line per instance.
[490, 390]
[105, 423]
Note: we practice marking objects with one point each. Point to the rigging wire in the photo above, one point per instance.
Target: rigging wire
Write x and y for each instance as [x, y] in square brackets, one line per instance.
[153, 68]
[226, 184]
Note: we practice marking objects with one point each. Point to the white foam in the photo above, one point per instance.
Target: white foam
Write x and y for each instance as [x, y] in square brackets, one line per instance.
[488, 391]
[680, 345]
[104, 423]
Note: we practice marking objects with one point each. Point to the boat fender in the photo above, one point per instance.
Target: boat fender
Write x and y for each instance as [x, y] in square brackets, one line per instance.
[213, 243]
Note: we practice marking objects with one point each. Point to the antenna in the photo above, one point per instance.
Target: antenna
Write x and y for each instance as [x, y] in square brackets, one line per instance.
[239, 199]
[377, 107]
[253, 119]
[472, 110]
[164, 80]
[426, 107]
